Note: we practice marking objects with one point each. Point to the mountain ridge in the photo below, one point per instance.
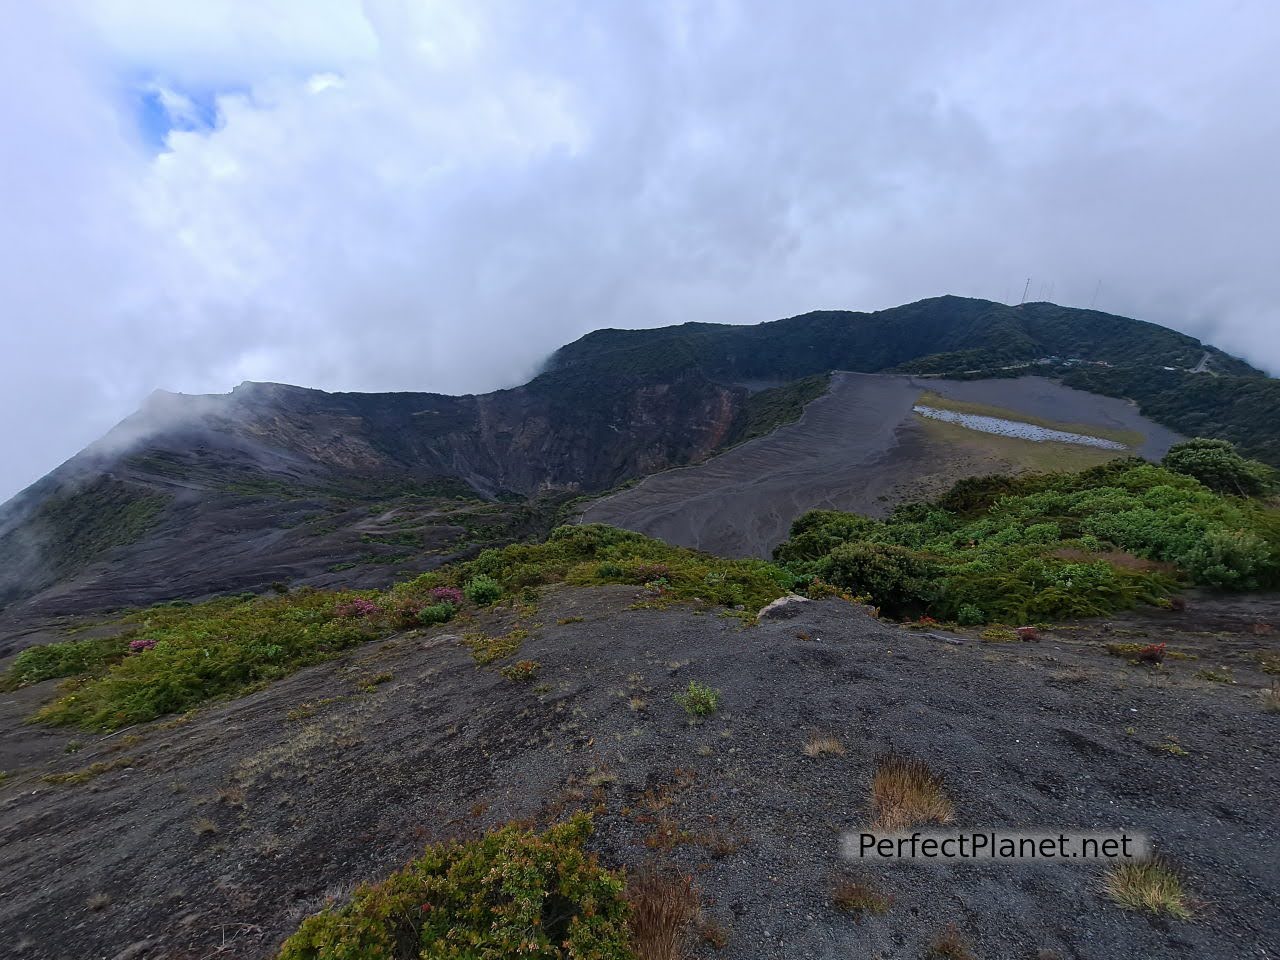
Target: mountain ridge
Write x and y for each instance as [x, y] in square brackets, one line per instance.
[607, 409]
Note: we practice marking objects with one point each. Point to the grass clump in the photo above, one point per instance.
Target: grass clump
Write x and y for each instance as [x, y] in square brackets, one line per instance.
[1270, 699]
[1215, 675]
[819, 746]
[905, 792]
[663, 910]
[511, 893]
[1149, 886]
[999, 634]
[486, 650]
[1042, 547]
[85, 774]
[698, 699]
[522, 671]
[949, 945]
[859, 898]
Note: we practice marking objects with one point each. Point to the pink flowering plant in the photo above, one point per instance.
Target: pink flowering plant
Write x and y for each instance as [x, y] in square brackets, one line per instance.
[359, 607]
[450, 595]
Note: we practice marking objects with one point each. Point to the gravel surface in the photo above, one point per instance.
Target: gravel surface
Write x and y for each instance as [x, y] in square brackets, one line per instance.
[213, 836]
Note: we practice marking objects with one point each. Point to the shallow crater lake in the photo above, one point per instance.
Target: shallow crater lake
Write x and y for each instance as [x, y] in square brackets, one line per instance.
[1015, 428]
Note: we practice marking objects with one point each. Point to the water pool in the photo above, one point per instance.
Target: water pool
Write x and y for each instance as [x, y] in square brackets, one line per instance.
[1015, 428]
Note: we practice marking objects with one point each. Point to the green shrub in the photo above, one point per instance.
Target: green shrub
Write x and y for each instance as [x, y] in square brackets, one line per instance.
[698, 699]
[897, 579]
[513, 893]
[436, 613]
[1216, 464]
[1046, 546]
[482, 589]
[206, 650]
[1230, 559]
[66, 659]
[521, 671]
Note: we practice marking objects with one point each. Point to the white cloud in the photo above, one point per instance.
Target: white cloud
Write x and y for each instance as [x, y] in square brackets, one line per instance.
[432, 196]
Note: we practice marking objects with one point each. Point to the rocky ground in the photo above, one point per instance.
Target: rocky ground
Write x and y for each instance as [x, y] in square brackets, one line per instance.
[212, 835]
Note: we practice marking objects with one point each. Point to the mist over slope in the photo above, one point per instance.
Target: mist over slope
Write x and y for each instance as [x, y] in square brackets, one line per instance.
[282, 483]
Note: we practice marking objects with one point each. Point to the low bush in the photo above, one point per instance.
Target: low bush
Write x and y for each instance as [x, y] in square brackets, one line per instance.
[1035, 548]
[512, 893]
[522, 671]
[64, 659]
[483, 590]
[1216, 464]
[436, 613]
[1152, 653]
[450, 595]
[193, 653]
[698, 699]
[897, 578]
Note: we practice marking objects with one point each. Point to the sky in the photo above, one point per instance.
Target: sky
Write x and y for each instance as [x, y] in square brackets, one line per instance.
[420, 195]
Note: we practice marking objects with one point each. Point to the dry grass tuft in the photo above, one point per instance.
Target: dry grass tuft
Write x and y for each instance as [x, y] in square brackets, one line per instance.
[663, 909]
[950, 945]
[713, 934]
[905, 792]
[1271, 698]
[1149, 886]
[817, 746]
[667, 835]
[859, 898]
[204, 827]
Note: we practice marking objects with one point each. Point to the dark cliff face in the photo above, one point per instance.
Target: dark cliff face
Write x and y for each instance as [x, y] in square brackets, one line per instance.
[210, 492]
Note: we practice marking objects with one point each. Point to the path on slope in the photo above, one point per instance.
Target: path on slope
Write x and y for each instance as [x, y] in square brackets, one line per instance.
[859, 448]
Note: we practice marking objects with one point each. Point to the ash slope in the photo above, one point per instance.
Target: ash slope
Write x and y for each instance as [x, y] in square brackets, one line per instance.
[217, 834]
[858, 448]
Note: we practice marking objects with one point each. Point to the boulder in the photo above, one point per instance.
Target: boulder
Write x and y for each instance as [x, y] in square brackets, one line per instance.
[784, 608]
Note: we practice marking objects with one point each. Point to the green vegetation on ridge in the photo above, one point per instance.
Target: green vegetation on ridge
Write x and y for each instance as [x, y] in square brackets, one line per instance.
[765, 411]
[992, 549]
[955, 337]
[1053, 545]
[176, 656]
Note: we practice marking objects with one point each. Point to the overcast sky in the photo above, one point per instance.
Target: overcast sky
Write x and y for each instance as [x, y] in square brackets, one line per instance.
[432, 196]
